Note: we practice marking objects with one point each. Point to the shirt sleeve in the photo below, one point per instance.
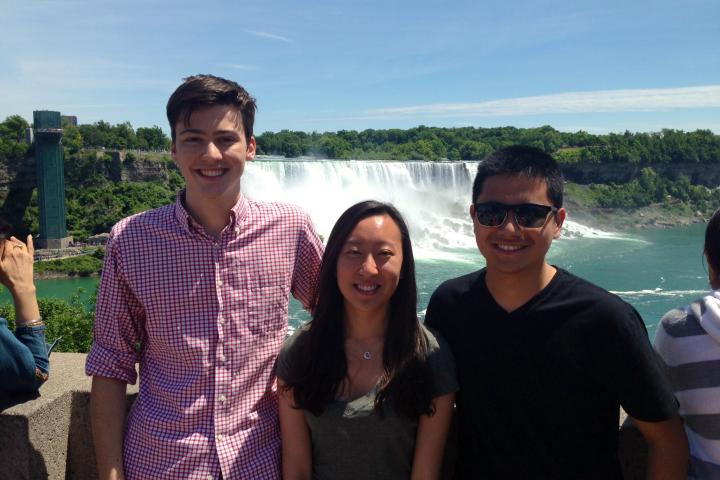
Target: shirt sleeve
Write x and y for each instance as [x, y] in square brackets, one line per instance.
[17, 366]
[283, 362]
[119, 317]
[307, 263]
[435, 306]
[635, 372]
[442, 365]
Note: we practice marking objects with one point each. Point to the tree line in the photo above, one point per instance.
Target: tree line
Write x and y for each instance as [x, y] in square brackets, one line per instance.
[95, 135]
[474, 143]
[419, 143]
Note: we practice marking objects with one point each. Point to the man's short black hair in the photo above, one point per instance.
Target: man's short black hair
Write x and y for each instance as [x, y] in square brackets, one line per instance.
[522, 160]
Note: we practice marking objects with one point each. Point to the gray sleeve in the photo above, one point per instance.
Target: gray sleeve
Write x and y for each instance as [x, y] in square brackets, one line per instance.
[442, 364]
[282, 364]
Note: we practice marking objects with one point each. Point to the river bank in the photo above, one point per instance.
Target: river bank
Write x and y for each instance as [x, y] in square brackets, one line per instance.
[656, 216]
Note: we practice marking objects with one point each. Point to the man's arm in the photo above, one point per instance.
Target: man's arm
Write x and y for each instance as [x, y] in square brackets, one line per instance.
[117, 335]
[307, 264]
[107, 416]
[668, 453]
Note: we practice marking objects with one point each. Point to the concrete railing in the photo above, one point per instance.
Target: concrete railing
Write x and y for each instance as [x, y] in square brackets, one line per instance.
[50, 438]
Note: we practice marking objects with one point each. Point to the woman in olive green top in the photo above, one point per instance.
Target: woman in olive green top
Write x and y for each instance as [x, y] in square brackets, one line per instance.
[366, 392]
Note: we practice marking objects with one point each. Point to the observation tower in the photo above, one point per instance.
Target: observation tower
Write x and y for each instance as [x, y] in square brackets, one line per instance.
[50, 179]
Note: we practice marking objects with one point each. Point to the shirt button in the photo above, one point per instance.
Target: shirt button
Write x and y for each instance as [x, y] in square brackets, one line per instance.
[210, 477]
[237, 231]
[221, 320]
[219, 283]
[219, 438]
[222, 398]
[221, 357]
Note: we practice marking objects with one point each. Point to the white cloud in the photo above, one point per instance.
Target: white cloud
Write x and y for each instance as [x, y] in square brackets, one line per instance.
[638, 100]
[271, 36]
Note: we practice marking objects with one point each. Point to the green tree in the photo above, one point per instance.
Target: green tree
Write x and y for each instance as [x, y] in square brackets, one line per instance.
[13, 128]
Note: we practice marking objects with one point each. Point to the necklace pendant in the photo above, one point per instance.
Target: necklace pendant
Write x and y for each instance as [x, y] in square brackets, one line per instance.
[367, 355]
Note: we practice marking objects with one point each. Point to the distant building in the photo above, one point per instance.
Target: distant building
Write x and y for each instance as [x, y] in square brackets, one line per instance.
[29, 137]
[99, 239]
[51, 180]
[70, 119]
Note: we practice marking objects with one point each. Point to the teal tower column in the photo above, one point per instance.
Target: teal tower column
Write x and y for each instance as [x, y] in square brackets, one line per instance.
[50, 179]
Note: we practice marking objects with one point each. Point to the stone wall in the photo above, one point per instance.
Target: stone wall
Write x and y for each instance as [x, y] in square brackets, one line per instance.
[49, 437]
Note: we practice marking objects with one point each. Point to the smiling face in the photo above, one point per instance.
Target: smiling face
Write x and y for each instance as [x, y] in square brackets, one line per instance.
[510, 249]
[210, 150]
[369, 266]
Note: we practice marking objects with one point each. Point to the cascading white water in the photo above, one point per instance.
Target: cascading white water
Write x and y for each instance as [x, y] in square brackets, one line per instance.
[434, 197]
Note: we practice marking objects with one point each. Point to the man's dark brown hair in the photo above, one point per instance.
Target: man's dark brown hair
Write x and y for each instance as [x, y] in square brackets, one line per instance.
[200, 91]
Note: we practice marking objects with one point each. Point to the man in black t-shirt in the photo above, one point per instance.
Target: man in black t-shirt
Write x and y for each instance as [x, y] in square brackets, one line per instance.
[544, 358]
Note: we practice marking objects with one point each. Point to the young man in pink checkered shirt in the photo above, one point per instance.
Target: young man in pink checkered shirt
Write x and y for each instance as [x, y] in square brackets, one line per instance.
[197, 293]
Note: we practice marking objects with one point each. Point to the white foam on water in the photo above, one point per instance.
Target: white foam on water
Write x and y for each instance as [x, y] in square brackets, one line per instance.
[659, 292]
[434, 198]
[573, 229]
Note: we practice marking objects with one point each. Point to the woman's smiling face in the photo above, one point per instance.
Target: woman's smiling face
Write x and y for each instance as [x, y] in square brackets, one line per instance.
[369, 266]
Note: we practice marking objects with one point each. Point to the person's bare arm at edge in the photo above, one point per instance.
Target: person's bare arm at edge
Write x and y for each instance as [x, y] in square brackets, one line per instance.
[668, 453]
[430, 440]
[107, 417]
[295, 436]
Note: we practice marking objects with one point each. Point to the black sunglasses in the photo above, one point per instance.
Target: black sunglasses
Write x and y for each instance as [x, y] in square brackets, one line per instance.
[527, 215]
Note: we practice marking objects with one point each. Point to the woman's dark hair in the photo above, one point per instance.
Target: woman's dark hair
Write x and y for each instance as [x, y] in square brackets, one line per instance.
[5, 229]
[712, 242]
[318, 364]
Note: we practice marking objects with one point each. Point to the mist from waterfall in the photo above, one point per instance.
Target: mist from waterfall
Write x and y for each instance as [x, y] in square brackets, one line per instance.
[434, 197]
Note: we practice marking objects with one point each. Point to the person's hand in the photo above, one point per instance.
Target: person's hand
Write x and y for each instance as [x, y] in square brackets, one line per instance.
[16, 265]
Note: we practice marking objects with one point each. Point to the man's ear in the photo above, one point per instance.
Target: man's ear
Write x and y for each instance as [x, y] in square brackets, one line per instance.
[251, 149]
[173, 150]
[560, 216]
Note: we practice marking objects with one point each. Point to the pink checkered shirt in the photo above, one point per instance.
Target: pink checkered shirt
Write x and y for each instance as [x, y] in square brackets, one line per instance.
[205, 320]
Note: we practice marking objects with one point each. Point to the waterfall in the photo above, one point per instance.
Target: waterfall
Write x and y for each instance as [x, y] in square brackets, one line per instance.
[434, 197]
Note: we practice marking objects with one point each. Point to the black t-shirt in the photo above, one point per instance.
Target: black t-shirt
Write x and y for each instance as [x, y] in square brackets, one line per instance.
[540, 387]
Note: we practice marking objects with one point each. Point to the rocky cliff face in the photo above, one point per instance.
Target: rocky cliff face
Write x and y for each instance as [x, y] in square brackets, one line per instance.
[144, 167]
[698, 173]
[115, 166]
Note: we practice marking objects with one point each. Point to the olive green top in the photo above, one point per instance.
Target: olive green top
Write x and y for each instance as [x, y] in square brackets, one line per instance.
[351, 440]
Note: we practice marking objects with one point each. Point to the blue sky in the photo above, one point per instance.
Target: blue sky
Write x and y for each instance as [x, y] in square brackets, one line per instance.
[598, 66]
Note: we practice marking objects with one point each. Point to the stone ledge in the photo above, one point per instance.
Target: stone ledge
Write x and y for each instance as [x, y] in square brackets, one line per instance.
[50, 437]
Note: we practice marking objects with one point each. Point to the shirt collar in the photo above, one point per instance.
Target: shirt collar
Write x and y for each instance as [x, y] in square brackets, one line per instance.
[237, 213]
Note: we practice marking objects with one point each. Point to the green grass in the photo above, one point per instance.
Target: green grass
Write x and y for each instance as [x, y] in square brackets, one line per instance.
[82, 265]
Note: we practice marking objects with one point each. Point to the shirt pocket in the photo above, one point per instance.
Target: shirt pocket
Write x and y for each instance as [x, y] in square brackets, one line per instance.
[267, 309]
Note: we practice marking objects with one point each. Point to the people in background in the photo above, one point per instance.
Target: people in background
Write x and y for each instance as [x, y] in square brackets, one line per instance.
[688, 340]
[366, 391]
[24, 364]
[544, 358]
